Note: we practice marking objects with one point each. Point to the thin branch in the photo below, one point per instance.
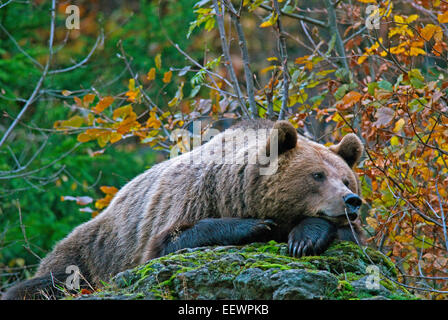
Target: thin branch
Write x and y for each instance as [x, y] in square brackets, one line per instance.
[284, 61]
[41, 80]
[20, 48]
[333, 27]
[77, 65]
[246, 61]
[5, 4]
[228, 61]
[298, 17]
[22, 226]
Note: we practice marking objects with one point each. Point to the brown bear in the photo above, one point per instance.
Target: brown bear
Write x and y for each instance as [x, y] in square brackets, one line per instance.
[308, 200]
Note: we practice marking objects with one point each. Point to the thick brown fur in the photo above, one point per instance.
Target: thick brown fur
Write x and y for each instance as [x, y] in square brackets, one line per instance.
[176, 194]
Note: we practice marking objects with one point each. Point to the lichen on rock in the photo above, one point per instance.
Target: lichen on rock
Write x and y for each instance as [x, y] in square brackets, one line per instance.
[260, 271]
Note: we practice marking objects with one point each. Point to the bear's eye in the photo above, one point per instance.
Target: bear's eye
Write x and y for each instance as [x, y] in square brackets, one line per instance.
[319, 176]
[346, 182]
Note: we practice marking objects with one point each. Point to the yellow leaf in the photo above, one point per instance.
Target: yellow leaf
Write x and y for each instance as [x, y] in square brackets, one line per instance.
[158, 61]
[416, 51]
[443, 18]
[394, 141]
[167, 77]
[361, 59]
[84, 137]
[151, 74]
[131, 85]
[270, 22]
[122, 112]
[411, 18]
[66, 93]
[115, 136]
[399, 125]
[74, 122]
[264, 70]
[367, 1]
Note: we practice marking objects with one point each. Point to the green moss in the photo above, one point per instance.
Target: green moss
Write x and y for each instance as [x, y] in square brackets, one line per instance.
[193, 273]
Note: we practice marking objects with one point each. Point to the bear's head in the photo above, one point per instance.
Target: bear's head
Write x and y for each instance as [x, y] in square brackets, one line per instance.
[314, 180]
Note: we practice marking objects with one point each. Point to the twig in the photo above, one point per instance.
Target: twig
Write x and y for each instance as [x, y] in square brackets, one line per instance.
[245, 55]
[73, 67]
[22, 226]
[284, 61]
[297, 16]
[41, 80]
[333, 26]
[228, 63]
[20, 48]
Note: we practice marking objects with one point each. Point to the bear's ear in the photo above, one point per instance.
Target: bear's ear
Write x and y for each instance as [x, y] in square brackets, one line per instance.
[287, 137]
[350, 149]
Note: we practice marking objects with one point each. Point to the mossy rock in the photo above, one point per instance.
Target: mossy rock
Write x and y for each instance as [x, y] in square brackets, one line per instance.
[260, 271]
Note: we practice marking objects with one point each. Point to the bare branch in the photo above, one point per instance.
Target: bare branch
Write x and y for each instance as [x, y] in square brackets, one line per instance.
[228, 61]
[333, 26]
[284, 61]
[99, 40]
[245, 55]
[298, 17]
[41, 80]
[20, 48]
[22, 226]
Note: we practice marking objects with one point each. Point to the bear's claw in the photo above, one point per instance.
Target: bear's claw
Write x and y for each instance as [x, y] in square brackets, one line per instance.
[311, 237]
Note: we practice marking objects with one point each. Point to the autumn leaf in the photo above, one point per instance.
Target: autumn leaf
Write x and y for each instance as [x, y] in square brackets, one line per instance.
[133, 93]
[384, 116]
[158, 61]
[443, 18]
[398, 125]
[122, 112]
[110, 193]
[88, 99]
[167, 76]
[151, 74]
[103, 104]
[428, 31]
[349, 100]
[153, 122]
[78, 102]
[73, 122]
[269, 21]
[109, 190]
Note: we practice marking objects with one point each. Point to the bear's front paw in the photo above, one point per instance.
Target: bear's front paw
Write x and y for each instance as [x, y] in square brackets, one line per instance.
[253, 230]
[311, 237]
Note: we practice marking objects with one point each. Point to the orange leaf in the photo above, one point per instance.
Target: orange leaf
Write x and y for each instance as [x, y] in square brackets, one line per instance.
[350, 99]
[443, 18]
[167, 77]
[109, 190]
[78, 102]
[103, 104]
[88, 99]
[151, 74]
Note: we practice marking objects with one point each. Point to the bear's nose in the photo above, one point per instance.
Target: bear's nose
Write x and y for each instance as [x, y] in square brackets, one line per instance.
[353, 203]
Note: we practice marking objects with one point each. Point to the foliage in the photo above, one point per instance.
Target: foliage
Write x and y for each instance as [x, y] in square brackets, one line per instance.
[388, 85]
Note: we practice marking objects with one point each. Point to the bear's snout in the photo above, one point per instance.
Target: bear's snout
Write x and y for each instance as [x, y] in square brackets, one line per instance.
[353, 203]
